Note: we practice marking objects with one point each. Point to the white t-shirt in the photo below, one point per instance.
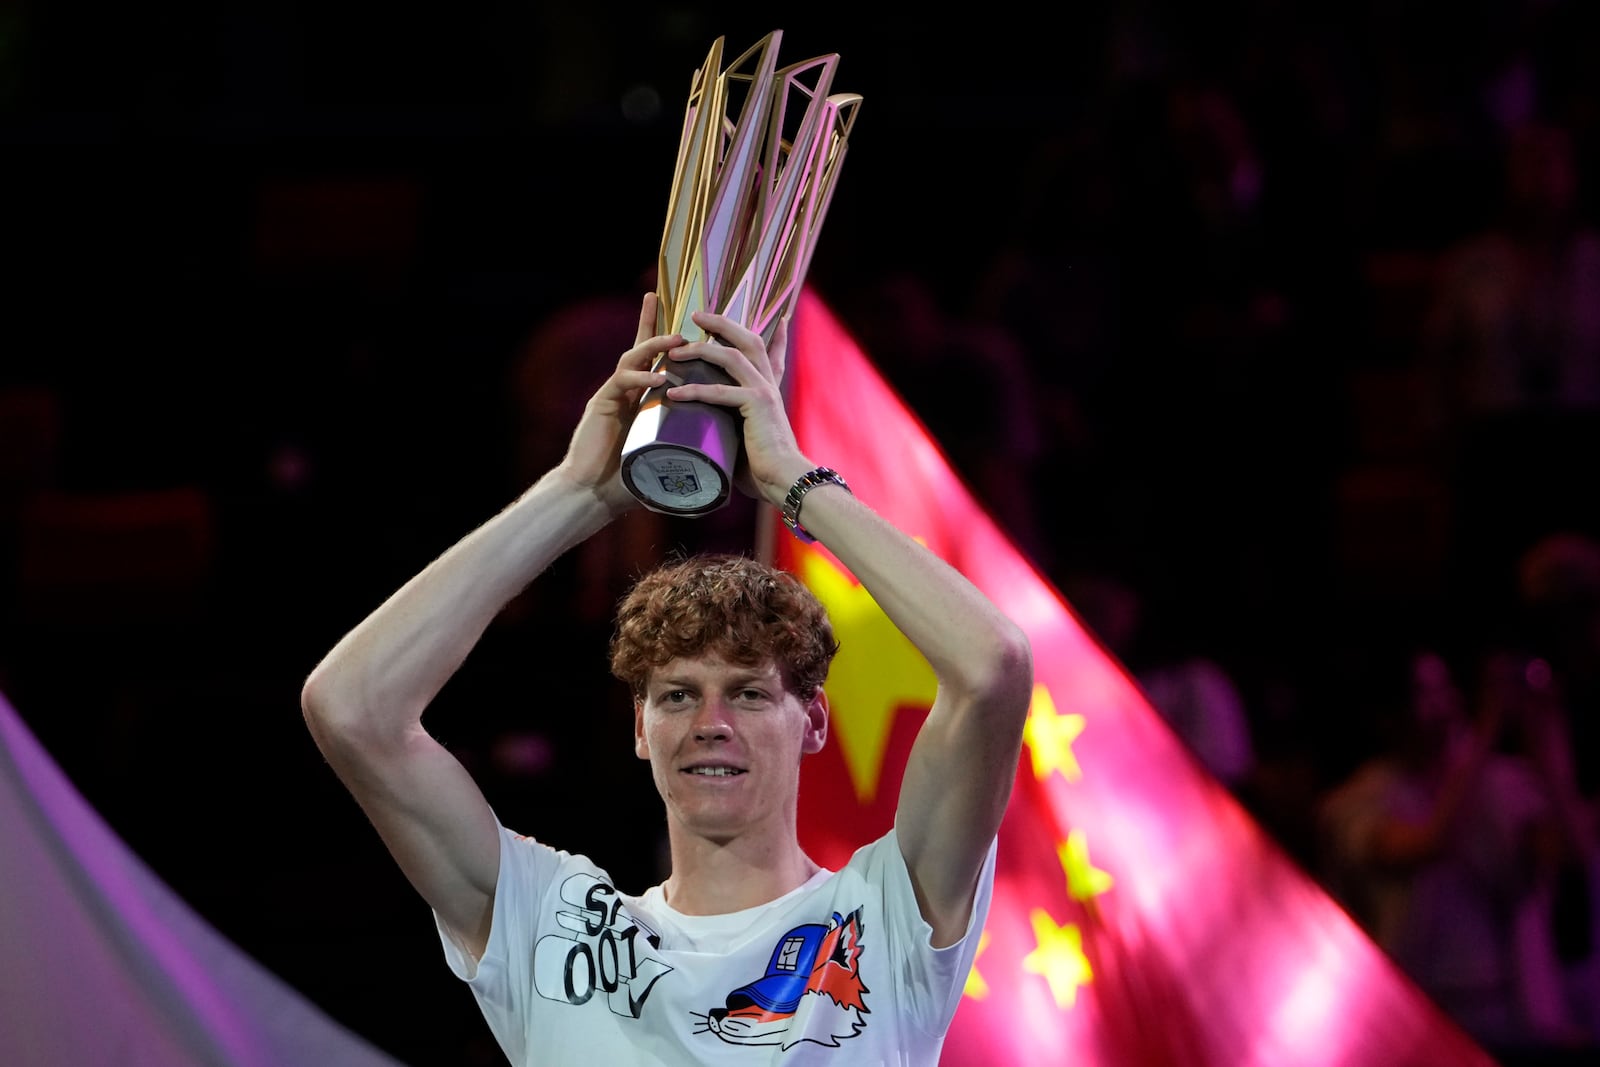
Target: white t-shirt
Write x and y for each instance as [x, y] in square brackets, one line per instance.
[838, 971]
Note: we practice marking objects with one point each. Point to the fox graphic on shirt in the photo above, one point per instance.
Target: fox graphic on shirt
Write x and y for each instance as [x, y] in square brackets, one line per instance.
[812, 991]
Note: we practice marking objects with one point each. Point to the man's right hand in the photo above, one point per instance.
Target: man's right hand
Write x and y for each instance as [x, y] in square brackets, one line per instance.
[594, 455]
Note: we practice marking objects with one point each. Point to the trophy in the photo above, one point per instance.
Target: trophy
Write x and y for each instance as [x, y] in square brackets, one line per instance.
[748, 199]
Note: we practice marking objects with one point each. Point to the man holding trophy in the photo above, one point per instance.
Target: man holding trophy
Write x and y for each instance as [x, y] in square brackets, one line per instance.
[748, 952]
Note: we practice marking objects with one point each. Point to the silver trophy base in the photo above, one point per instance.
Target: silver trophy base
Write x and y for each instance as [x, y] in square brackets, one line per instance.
[679, 458]
[675, 481]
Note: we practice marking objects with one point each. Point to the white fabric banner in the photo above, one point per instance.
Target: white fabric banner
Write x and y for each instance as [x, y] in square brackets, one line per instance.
[103, 965]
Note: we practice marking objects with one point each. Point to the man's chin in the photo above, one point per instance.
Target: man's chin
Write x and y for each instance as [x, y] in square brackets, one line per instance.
[714, 822]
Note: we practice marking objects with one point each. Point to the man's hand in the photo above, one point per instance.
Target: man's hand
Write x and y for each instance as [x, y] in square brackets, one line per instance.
[771, 459]
[593, 459]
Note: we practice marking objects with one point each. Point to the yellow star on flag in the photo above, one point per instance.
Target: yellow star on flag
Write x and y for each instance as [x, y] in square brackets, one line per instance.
[1059, 958]
[1049, 737]
[976, 987]
[877, 670]
[1084, 880]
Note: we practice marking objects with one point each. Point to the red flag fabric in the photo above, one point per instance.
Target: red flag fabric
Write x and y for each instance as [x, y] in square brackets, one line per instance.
[1140, 916]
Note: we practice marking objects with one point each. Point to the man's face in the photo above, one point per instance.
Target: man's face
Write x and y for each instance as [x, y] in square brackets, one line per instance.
[724, 743]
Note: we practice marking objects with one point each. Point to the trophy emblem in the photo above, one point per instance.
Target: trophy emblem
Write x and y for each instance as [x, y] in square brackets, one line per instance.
[749, 195]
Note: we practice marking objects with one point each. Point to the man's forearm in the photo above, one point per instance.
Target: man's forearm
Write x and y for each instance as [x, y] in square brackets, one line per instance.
[385, 671]
[972, 646]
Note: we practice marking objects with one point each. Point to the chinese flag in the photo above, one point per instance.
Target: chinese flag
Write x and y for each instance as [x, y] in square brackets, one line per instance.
[1140, 916]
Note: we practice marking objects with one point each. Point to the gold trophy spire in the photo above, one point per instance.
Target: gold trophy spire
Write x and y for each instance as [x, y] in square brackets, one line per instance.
[749, 195]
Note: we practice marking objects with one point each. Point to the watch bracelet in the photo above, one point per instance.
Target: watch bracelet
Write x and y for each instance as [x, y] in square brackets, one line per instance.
[796, 495]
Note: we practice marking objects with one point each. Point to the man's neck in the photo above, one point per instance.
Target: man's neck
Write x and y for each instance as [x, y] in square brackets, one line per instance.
[715, 878]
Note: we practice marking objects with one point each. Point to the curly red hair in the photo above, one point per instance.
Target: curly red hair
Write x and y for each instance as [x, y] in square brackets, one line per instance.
[725, 605]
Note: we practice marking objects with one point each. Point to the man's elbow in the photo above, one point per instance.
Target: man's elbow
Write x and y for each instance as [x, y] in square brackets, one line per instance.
[1008, 680]
[327, 706]
[1019, 665]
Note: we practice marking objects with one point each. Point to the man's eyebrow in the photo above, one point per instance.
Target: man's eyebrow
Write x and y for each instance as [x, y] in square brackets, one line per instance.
[677, 681]
[756, 678]
[753, 678]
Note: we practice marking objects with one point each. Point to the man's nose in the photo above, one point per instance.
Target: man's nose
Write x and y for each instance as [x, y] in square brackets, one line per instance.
[711, 721]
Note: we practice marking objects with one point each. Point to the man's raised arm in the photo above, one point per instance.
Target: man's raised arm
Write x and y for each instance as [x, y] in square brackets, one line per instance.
[959, 775]
[365, 700]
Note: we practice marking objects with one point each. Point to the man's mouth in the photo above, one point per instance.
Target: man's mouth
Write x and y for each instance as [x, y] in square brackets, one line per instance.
[714, 772]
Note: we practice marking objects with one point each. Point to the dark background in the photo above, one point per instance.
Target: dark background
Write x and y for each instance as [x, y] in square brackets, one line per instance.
[272, 273]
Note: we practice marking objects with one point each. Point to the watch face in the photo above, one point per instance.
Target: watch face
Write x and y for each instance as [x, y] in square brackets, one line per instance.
[675, 480]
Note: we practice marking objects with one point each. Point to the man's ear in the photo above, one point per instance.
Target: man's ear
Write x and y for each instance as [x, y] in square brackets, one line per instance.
[641, 746]
[816, 734]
